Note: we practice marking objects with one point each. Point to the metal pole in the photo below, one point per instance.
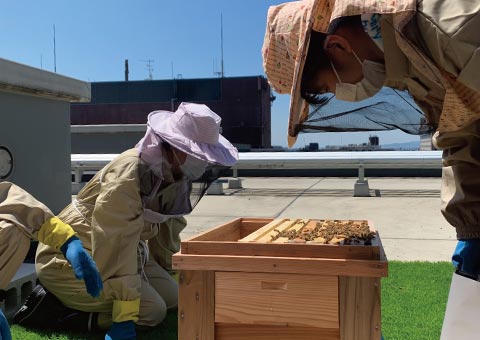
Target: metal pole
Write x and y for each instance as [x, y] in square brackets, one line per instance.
[54, 51]
[221, 42]
[361, 173]
[78, 175]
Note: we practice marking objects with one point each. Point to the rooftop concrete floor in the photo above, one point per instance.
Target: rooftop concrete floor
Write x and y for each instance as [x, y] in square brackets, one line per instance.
[405, 211]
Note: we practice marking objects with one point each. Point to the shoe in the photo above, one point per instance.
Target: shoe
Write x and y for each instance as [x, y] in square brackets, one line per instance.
[44, 310]
[38, 309]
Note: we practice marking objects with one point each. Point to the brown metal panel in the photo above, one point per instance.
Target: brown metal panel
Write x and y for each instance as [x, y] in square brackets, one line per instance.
[244, 105]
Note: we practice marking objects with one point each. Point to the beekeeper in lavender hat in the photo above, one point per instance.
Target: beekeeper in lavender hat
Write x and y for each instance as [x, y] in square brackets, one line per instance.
[129, 216]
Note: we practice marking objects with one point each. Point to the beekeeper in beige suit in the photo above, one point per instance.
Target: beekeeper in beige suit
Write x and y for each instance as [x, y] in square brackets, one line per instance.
[130, 217]
[431, 48]
[23, 218]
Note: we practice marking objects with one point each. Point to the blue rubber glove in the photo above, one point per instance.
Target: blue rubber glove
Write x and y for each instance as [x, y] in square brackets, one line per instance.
[121, 331]
[4, 329]
[83, 265]
[466, 257]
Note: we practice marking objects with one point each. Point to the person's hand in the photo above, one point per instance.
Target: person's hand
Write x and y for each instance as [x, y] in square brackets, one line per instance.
[83, 265]
[124, 330]
[4, 328]
[466, 257]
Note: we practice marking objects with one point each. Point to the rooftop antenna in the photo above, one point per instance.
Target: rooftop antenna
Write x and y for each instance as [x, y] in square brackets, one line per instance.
[54, 51]
[220, 73]
[149, 65]
[221, 43]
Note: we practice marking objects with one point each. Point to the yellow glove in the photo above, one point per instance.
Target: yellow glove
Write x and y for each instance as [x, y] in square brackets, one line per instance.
[55, 233]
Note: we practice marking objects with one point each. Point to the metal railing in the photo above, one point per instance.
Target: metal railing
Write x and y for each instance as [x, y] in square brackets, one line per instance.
[298, 160]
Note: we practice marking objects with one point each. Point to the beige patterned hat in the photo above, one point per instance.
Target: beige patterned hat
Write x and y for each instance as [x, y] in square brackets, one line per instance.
[285, 49]
[287, 37]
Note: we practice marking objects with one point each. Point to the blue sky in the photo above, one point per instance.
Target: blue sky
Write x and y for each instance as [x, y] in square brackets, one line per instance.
[93, 38]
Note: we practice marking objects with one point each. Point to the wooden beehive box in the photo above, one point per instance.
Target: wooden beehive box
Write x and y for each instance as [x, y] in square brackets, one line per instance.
[235, 285]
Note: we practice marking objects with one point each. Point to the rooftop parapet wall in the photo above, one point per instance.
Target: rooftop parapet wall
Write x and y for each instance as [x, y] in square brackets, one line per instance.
[19, 78]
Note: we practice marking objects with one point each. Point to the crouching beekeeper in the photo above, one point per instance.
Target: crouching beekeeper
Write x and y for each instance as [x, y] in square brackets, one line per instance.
[23, 218]
[130, 216]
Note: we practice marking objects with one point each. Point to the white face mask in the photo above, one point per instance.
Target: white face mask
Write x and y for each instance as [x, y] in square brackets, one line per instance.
[372, 82]
[193, 168]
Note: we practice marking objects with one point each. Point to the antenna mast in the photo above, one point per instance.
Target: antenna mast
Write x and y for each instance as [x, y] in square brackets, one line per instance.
[54, 51]
[149, 68]
[222, 71]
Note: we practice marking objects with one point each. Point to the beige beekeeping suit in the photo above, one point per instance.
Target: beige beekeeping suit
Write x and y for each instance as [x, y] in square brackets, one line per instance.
[107, 216]
[23, 218]
[435, 54]
[431, 49]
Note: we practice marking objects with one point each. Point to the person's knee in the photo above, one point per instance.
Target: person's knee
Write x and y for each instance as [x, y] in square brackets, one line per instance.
[159, 312]
[167, 288]
[171, 295]
[152, 313]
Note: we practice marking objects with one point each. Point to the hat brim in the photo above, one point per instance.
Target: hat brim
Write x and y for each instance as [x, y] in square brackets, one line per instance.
[298, 105]
[222, 152]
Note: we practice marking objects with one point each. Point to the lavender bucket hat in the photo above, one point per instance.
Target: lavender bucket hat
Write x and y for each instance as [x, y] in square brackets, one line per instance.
[193, 129]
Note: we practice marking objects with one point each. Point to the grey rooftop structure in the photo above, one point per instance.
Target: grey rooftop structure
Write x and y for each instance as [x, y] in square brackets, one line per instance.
[35, 130]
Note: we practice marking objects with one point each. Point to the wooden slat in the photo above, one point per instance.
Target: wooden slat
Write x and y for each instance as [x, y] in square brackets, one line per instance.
[382, 255]
[267, 236]
[281, 240]
[377, 243]
[252, 224]
[255, 221]
[196, 305]
[276, 299]
[311, 224]
[281, 265]
[298, 225]
[229, 231]
[274, 249]
[225, 331]
[360, 317]
[263, 230]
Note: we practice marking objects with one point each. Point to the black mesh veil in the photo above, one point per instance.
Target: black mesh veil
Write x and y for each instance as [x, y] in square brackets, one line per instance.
[200, 186]
[389, 109]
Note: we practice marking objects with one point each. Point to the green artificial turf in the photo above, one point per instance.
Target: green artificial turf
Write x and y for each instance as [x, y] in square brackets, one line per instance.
[414, 298]
[413, 304]
[166, 331]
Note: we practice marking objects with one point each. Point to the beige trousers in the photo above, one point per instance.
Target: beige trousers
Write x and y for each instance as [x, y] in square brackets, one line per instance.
[14, 247]
[159, 291]
[461, 179]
